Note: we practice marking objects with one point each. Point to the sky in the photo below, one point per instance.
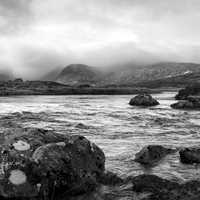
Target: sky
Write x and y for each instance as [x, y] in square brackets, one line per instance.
[37, 36]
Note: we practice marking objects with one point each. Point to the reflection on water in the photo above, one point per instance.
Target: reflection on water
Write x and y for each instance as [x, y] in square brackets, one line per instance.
[119, 129]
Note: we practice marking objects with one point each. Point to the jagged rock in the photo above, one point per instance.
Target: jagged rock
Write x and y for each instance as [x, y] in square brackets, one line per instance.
[152, 154]
[143, 100]
[40, 164]
[161, 189]
[190, 155]
[192, 102]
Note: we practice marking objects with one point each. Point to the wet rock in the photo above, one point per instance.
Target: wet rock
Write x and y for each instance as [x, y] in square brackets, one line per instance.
[152, 183]
[40, 164]
[161, 189]
[192, 90]
[192, 102]
[110, 178]
[190, 155]
[152, 154]
[143, 100]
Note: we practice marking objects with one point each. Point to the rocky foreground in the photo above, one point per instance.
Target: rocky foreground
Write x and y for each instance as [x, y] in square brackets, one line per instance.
[41, 164]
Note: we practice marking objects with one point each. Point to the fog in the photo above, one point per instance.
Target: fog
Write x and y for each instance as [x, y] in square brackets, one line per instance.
[38, 36]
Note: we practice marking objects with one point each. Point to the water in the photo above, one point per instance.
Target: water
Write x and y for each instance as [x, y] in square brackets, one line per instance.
[119, 129]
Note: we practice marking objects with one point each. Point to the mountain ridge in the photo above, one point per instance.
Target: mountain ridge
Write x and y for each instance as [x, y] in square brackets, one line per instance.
[80, 74]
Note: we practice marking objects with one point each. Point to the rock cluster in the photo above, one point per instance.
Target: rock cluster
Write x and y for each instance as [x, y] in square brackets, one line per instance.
[192, 102]
[143, 100]
[191, 90]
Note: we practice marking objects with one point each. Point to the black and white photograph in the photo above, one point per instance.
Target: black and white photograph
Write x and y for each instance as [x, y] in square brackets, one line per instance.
[100, 99]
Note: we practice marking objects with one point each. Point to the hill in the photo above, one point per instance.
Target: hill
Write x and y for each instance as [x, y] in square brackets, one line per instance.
[78, 74]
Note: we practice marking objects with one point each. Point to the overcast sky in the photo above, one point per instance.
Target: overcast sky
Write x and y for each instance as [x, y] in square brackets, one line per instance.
[39, 35]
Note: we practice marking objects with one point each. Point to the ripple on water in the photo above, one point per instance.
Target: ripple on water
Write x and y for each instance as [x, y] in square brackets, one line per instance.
[119, 129]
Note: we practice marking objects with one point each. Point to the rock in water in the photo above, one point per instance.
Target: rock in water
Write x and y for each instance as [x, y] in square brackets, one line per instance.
[161, 189]
[39, 164]
[152, 183]
[192, 102]
[143, 100]
[190, 155]
[152, 154]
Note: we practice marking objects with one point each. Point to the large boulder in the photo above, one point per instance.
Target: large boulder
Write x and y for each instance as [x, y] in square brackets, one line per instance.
[152, 154]
[143, 100]
[156, 188]
[190, 155]
[192, 102]
[40, 164]
[191, 90]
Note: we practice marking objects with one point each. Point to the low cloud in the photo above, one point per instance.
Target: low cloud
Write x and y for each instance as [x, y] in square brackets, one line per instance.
[37, 36]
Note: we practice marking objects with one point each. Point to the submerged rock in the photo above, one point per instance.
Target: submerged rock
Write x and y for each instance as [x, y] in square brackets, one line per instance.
[161, 189]
[40, 164]
[190, 155]
[143, 100]
[192, 102]
[152, 154]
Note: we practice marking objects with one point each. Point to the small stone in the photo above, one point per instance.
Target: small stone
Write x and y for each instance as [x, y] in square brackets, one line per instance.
[62, 144]
[21, 145]
[39, 186]
[17, 177]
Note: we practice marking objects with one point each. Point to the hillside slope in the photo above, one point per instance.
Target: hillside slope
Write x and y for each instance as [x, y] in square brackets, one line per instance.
[77, 74]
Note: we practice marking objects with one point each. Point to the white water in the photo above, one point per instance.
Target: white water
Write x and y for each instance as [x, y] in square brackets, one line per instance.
[118, 128]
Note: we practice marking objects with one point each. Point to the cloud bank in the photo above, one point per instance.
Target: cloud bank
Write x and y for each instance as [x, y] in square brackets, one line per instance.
[37, 36]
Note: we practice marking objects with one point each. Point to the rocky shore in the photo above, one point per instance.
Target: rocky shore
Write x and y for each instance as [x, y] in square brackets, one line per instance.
[42, 164]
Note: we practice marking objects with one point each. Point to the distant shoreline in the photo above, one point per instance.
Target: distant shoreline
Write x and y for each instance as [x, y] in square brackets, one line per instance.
[66, 90]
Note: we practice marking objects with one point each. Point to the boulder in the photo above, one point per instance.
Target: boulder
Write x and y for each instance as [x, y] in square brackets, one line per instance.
[192, 102]
[190, 155]
[158, 188]
[152, 154]
[191, 90]
[40, 164]
[143, 100]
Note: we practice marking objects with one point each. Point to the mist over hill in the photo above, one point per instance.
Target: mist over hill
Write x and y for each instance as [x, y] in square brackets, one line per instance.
[79, 74]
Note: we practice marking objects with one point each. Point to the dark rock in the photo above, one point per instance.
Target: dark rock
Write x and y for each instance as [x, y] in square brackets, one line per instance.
[161, 189]
[41, 164]
[143, 100]
[110, 178]
[191, 90]
[190, 155]
[192, 102]
[152, 154]
[152, 183]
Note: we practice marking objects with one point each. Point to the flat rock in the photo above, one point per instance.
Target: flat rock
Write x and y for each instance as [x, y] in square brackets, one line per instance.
[143, 100]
